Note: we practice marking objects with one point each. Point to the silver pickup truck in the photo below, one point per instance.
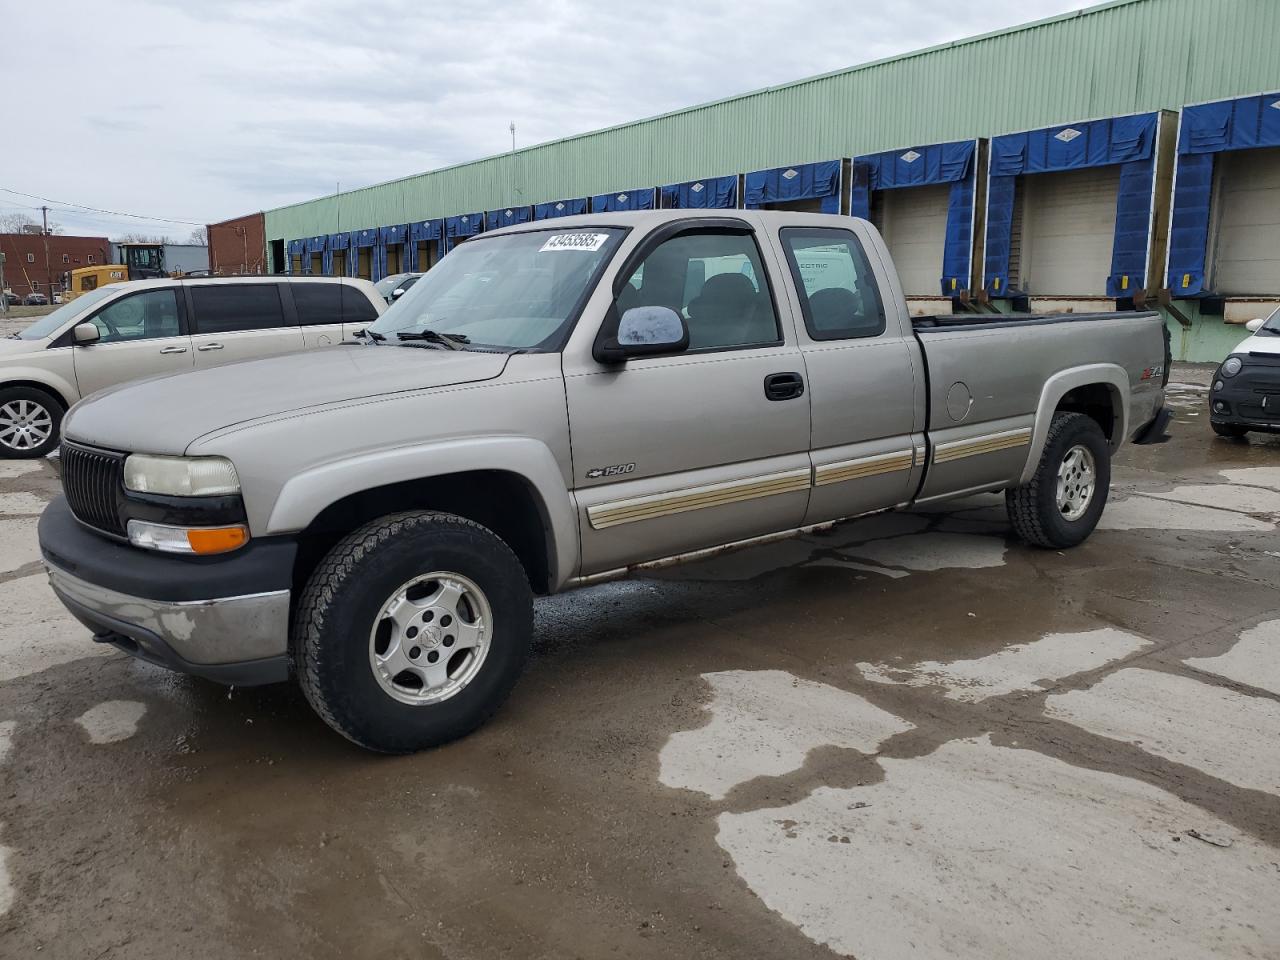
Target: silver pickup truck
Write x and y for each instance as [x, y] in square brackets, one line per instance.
[551, 405]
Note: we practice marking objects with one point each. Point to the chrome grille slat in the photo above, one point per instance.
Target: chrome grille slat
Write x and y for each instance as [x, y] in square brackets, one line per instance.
[92, 481]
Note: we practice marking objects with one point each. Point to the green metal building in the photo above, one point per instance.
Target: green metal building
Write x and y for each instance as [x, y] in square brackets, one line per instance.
[1109, 61]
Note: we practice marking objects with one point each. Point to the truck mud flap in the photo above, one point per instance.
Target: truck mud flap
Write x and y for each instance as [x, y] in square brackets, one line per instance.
[1156, 430]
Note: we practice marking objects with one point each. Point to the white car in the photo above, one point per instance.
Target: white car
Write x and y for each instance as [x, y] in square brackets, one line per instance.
[1246, 387]
[145, 328]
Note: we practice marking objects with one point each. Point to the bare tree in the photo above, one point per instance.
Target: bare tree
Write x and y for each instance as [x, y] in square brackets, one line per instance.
[199, 236]
[142, 238]
[16, 222]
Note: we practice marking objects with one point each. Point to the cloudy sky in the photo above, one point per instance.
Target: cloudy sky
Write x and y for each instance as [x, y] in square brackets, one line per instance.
[202, 111]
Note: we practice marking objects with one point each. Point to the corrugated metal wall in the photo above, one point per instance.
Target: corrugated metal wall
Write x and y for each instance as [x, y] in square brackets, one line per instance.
[1119, 58]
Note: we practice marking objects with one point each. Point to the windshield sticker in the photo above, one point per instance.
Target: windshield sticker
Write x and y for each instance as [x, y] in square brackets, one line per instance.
[575, 241]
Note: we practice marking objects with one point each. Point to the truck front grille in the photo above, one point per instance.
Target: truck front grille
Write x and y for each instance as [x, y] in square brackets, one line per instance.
[93, 481]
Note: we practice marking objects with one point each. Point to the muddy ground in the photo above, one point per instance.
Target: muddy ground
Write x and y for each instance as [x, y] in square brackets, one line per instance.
[908, 737]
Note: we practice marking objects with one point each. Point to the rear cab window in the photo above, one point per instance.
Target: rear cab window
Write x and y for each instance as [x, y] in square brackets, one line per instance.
[229, 308]
[838, 293]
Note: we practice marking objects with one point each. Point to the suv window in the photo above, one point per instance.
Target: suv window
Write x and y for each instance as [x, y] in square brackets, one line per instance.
[318, 303]
[716, 282]
[226, 308]
[141, 316]
[838, 292]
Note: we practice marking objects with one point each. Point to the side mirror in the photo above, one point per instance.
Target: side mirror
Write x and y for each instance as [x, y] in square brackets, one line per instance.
[1253, 326]
[644, 332]
[87, 333]
[397, 293]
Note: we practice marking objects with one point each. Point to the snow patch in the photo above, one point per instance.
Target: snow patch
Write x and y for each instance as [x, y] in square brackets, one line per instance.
[1225, 734]
[1254, 660]
[1224, 496]
[18, 545]
[763, 724]
[1267, 477]
[112, 721]
[1023, 666]
[16, 468]
[984, 852]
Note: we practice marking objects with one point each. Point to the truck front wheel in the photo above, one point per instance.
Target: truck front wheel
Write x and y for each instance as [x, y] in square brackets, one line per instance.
[412, 631]
[1061, 504]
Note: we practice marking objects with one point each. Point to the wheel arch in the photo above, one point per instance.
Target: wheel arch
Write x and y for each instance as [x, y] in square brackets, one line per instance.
[58, 393]
[512, 486]
[1099, 390]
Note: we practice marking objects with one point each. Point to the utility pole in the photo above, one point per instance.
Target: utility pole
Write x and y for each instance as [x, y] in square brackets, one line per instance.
[44, 232]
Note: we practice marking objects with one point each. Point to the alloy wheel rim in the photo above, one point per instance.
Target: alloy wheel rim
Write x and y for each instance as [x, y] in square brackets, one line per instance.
[24, 425]
[1077, 478]
[430, 638]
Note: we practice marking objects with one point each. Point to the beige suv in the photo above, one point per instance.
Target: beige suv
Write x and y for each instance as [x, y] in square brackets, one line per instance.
[144, 328]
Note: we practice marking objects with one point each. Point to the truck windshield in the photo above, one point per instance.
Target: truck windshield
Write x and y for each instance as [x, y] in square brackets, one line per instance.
[514, 292]
[49, 324]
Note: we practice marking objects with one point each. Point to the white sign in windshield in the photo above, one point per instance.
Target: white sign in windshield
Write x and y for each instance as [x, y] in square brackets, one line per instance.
[575, 241]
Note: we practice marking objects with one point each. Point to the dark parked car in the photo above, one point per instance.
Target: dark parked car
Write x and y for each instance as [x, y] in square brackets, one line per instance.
[12, 299]
[35, 300]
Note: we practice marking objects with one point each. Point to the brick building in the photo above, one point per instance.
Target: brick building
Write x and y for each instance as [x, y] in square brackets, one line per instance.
[36, 263]
[237, 246]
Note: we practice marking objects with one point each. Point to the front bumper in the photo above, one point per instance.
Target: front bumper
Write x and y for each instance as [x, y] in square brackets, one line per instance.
[225, 619]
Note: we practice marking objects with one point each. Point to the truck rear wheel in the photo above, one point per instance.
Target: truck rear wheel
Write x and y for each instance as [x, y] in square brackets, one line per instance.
[412, 631]
[1061, 504]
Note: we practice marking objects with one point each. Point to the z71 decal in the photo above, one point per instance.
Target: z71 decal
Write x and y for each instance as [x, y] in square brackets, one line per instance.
[617, 470]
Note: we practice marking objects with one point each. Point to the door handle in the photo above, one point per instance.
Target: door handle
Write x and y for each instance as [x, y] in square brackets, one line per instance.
[783, 386]
[209, 346]
[173, 350]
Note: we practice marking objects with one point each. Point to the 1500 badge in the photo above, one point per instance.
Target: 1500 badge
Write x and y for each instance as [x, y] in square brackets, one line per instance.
[617, 470]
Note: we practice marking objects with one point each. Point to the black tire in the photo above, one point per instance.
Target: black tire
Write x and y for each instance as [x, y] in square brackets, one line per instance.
[1033, 507]
[1232, 431]
[342, 600]
[51, 407]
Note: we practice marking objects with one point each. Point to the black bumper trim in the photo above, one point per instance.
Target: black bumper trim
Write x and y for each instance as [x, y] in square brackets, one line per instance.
[263, 566]
[145, 645]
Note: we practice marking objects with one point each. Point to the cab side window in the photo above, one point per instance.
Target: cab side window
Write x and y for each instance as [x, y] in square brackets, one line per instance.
[142, 316]
[838, 292]
[716, 282]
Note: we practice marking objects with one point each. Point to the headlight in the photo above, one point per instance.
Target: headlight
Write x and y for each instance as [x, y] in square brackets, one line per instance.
[1231, 366]
[181, 476]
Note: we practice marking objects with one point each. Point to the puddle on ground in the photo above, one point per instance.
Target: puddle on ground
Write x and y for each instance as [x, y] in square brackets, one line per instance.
[1230, 736]
[763, 724]
[1254, 660]
[1023, 666]
[977, 851]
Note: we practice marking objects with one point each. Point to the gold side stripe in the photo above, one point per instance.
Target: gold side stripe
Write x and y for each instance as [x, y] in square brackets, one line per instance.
[959, 449]
[863, 467]
[664, 505]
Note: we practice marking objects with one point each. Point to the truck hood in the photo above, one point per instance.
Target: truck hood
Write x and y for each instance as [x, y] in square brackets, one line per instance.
[165, 414]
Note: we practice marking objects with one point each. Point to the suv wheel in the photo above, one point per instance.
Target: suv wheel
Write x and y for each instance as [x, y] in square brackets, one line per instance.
[412, 631]
[29, 422]
[1063, 501]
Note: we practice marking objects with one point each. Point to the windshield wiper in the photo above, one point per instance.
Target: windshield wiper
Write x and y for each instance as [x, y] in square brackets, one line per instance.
[373, 335]
[453, 341]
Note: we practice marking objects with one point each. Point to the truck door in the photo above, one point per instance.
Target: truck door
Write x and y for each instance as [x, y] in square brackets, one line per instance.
[680, 452]
[861, 377]
[141, 336]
